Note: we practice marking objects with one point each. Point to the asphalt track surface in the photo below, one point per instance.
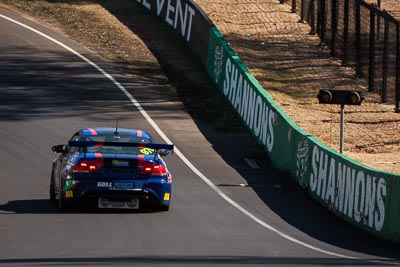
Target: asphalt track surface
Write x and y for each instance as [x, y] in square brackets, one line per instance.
[46, 93]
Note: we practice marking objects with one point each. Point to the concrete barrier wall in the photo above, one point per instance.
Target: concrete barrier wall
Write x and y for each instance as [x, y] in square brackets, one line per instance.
[188, 20]
[364, 197]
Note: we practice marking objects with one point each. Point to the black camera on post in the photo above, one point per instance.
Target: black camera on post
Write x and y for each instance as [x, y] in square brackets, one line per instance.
[340, 97]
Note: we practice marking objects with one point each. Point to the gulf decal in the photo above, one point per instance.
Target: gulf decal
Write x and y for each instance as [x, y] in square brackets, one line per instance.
[92, 131]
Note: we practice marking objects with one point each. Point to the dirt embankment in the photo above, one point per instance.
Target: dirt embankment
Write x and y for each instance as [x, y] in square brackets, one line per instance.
[278, 50]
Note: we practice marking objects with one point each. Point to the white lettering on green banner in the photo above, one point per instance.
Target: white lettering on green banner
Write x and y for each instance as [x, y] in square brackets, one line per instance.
[351, 192]
[257, 115]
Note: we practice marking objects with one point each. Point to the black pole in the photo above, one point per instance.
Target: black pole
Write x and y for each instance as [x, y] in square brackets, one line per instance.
[334, 24]
[319, 17]
[323, 20]
[385, 60]
[345, 59]
[358, 38]
[371, 67]
[312, 14]
[341, 128]
[397, 108]
[378, 22]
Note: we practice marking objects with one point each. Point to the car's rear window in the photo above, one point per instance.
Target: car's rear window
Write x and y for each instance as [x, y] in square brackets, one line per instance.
[118, 149]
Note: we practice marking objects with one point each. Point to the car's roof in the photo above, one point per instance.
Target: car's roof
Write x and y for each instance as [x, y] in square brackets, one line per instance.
[121, 131]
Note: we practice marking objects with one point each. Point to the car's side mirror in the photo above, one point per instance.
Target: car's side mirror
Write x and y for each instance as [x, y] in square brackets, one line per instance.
[58, 148]
[163, 152]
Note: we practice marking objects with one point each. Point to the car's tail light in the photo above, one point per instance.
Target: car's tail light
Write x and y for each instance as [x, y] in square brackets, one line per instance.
[153, 169]
[88, 165]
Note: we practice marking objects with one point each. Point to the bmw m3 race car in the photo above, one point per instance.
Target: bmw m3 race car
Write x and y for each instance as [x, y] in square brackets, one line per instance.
[111, 168]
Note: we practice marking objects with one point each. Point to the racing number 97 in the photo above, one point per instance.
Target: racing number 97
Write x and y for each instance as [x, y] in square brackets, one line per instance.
[147, 151]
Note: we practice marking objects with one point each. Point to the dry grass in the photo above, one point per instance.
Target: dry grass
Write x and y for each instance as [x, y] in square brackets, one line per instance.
[277, 49]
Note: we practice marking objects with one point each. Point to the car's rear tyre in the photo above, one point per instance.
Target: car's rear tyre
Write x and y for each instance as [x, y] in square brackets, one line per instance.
[162, 208]
[63, 205]
[52, 191]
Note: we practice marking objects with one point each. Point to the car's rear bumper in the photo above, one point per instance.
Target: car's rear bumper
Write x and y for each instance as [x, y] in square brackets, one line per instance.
[148, 192]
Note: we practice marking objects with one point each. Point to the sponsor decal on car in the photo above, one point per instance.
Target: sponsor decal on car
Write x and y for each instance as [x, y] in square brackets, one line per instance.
[147, 151]
[122, 186]
[166, 196]
[120, 163]
[105, 184]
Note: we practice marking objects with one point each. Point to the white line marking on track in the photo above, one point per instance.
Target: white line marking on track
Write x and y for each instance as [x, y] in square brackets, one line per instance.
[179, 153]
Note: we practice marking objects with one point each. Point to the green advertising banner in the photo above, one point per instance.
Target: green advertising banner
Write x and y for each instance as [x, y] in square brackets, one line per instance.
[367, 198]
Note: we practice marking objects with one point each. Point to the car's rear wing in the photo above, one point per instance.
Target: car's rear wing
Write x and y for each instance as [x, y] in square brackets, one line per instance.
[160, 149]
[121, 144]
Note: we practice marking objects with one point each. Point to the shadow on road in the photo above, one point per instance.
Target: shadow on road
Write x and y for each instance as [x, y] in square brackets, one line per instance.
[45, 206]
[197, 261]
[30, 206]
[34, 85]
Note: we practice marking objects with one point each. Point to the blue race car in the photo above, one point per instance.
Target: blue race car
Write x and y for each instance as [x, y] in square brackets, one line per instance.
[111, 168]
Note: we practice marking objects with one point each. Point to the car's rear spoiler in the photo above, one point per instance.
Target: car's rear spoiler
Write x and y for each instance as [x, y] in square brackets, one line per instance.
[121, 144]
